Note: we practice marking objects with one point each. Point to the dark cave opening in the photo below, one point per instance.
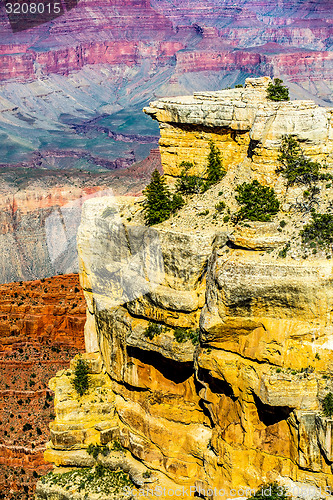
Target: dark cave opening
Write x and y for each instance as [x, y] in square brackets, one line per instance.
[270, 415]
[175, 371]
[216, 385]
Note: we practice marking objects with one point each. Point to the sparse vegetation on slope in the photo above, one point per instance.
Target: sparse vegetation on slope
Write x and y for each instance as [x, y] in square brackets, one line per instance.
[97, 479]
[319, 231]
[161, 203]
[294, 166]
[186, 183]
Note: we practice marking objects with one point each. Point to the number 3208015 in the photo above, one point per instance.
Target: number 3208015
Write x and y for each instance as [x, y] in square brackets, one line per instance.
[33, 8]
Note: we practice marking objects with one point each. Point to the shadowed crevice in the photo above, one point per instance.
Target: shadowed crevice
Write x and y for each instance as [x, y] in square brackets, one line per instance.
[216, 385]
[172, 370]
[270, 415]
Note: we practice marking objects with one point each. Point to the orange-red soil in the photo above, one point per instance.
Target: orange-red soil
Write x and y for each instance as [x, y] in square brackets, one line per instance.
[41, 329]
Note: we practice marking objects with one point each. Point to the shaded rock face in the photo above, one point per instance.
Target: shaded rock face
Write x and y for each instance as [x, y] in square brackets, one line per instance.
[42, 328]
[243, 404]
[244, 124]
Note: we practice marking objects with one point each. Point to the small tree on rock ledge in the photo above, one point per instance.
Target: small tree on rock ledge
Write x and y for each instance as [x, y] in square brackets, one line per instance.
[277, 92]
[160, 203]
[215, 170]
[81, 378]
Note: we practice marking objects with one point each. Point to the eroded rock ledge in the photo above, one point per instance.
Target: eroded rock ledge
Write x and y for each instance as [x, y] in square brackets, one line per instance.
[243, 123]
[240, 407]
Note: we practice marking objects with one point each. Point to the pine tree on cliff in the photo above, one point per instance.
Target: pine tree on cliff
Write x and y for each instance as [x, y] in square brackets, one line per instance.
[277, 92]
[215, 170]
[158, 202]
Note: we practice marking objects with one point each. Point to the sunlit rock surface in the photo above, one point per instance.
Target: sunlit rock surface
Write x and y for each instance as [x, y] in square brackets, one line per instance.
[241, 404]
[244, 124]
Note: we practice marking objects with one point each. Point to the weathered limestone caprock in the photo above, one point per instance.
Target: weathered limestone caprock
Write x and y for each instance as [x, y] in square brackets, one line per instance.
[241, 407]
[243, 123]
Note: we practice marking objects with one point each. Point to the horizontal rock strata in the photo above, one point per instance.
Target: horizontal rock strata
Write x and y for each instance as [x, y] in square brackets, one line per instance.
[209, 352]
[244, 124]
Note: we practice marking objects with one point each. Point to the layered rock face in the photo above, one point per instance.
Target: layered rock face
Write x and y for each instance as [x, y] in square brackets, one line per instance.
[244, 124]
[91, 33]
[239, 401]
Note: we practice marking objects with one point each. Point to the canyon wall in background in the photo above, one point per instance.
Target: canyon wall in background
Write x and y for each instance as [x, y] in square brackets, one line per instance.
[101, 62]
[41, 212]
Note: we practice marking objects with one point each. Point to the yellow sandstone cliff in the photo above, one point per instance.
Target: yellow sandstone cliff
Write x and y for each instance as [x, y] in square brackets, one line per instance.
[243, 404]
[244, 124]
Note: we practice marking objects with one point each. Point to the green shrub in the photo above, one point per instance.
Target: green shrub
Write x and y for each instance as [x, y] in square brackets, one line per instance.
[204, 212]
[81, 377]
[184, 334]
[100, 470]
[177, 202]
[116, 446]
[294, 165]
[271, 491]
[95, 449]
[239, 86]
[328, 404]
[188, 184]
[152, 330]
[277, 92]
[219, 207]
[283, 252]
[147, 473]
[319, 230]
[259, 202]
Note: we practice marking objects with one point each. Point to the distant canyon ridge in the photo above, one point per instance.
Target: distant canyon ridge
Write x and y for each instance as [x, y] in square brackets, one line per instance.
[293, 39]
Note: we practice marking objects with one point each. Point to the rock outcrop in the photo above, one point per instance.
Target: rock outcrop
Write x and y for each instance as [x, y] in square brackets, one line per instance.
[225, 391]
[244, 124]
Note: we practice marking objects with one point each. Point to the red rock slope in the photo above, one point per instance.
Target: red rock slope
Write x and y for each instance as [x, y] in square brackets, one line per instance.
[41, 329]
